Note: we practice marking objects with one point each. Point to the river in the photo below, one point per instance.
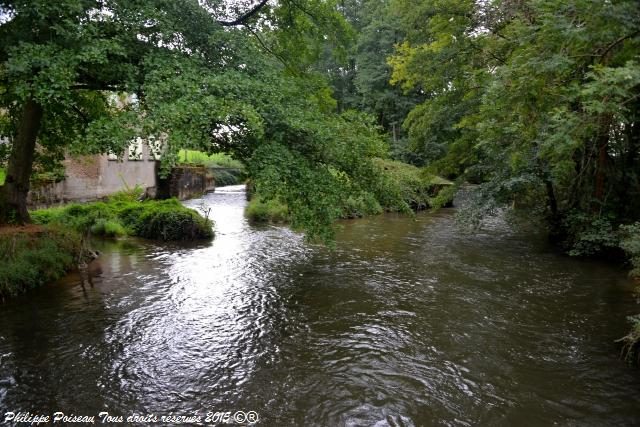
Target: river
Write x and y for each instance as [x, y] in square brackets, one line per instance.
[408, 322]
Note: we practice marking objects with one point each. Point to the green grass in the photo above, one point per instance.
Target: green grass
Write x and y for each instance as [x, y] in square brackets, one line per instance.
[152, 219]
[210, 160]
[31, 259]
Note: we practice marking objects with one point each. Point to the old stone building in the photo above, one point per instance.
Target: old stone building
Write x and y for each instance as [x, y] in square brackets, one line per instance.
[94, 177]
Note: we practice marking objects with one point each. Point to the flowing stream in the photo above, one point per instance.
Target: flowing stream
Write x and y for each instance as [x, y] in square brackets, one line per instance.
[408, 322]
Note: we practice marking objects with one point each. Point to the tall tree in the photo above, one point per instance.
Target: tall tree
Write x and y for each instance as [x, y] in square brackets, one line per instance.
[199, 73]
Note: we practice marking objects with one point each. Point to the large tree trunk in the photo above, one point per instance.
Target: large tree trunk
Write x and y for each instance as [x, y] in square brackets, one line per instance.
[13, 194]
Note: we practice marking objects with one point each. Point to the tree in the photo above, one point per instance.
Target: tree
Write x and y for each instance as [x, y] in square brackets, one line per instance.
[539, 100]
[359, 75]
[196, 69]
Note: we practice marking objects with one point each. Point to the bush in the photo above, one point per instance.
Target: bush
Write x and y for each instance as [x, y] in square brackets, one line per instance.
[270, 211]
[129, 195]
[152, 219]
[169, 220]
[228, 177]
[398, 187]
[34, 258]
[209, 160]
[411, 186]
[364, 205]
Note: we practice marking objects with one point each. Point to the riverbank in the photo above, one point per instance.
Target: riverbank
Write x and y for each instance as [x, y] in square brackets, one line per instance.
[34, 255]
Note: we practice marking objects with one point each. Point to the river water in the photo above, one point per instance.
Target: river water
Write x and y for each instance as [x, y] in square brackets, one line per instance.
[408, 322]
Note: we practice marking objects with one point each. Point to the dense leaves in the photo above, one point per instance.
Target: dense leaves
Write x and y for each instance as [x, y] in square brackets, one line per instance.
[105, 73]
[537, 100]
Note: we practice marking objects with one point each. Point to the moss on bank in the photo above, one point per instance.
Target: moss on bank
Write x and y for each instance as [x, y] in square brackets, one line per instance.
[35, 255]
[151, 219]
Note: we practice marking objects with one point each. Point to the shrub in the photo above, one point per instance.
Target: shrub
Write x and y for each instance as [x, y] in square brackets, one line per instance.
[404, 187]
[128, 195]
[169, 220]
[631, 342]
[357, 207]
[209, 160]
[108, 228]
[270, 211]
[228, 177]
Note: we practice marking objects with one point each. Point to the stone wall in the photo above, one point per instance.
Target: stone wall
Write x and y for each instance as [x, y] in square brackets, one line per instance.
[186, 181]
[90, 178]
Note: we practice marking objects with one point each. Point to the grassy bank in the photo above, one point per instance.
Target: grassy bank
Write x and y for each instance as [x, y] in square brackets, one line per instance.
[235, 173]
[46, 250]
[34, 255]
[151, 219]
[402, 188]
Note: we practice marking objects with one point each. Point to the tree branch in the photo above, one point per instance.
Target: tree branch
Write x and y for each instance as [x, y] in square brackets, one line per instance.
[618, 41]
[245, 16]
[266, 48]
[94, 86]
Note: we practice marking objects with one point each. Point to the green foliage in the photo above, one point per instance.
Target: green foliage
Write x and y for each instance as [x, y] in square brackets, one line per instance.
[161, 220]
[215, 160]
[236, 173]
[395, 187]
[272, 211]
[128, 195]
[630, 243]
[406, 188]
[360, 206]
[537, 101]
[228, 177]
[191, 83]
[591, 234]
[33, 259]
[3, 174]
[108, 228]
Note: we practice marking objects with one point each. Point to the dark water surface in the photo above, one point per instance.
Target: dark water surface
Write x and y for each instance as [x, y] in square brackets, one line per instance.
[408, 322]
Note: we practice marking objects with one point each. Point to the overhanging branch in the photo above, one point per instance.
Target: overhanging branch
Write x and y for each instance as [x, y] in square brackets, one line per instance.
[245, 16]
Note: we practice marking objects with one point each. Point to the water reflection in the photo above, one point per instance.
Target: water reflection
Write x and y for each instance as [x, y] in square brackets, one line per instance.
[407, 322]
